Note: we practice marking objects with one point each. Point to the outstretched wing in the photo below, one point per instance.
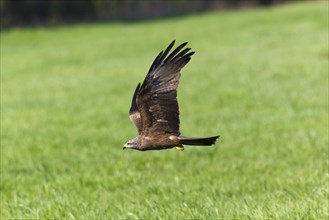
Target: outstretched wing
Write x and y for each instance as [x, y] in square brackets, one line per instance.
[134, 114]
[157, 97]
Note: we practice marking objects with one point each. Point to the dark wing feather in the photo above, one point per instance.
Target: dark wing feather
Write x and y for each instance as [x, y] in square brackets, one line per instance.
[134, 114]
[157, 97]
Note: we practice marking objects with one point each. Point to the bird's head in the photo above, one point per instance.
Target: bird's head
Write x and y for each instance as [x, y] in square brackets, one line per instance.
[132, 144]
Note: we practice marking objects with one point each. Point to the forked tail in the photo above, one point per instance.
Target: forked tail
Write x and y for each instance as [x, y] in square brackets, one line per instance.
[207, 141]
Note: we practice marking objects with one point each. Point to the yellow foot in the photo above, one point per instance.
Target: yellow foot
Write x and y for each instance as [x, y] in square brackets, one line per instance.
[180, 148]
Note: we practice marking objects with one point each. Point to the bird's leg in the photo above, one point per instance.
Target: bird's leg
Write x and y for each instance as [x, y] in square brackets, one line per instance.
[180, 147]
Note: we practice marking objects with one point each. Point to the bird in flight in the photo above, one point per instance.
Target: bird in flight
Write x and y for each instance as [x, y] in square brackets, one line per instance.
[154, 108]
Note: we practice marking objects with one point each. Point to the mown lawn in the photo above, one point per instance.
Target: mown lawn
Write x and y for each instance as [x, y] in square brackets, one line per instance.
[259, 78]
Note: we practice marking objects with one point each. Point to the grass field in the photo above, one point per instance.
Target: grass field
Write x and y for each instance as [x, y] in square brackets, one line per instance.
[259, 78]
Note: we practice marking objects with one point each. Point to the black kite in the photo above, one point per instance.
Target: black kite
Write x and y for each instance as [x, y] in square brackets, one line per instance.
[154, 107]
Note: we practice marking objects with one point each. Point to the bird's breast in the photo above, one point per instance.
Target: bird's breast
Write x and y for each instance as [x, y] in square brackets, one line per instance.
[161, 141]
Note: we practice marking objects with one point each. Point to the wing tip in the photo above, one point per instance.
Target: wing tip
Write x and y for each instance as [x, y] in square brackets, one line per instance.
[172, 43]
[133, 107]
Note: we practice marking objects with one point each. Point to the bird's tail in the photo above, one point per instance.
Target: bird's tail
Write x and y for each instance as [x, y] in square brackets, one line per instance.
[207, 141]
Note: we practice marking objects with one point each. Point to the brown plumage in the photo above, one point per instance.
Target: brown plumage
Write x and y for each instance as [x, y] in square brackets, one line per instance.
[154, 108]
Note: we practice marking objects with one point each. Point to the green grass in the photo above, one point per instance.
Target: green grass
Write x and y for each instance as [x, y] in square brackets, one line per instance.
[259, 79]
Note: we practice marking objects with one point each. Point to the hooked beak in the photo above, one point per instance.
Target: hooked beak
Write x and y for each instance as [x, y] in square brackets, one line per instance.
[125, 146]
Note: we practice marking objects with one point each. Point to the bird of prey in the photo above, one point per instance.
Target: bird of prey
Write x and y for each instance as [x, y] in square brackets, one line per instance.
[154, 108]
